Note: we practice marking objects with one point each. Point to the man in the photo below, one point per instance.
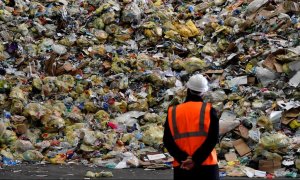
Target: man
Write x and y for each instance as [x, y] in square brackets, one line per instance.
[191, 134]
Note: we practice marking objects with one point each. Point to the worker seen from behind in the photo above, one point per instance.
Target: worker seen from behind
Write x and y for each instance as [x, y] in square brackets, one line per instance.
[191, 134]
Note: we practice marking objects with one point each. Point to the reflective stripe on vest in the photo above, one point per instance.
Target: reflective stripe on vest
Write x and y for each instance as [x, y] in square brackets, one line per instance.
[191, 132]
[201, 131]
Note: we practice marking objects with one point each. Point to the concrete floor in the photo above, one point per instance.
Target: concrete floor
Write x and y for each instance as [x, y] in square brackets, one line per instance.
[30, 171]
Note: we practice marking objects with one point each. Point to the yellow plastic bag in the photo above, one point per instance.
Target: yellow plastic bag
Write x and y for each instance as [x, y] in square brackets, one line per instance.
[140, 105]
[193, 64]
[153, 135]
[58, 159]
[275, 141]
[192, 27]
[294, 124]
[17, 93]
[265, 122]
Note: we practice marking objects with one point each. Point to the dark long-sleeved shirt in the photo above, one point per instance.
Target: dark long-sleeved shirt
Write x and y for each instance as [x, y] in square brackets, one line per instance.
[203, 151]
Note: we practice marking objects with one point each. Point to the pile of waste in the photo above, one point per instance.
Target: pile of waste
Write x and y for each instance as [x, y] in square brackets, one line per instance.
[90, 81]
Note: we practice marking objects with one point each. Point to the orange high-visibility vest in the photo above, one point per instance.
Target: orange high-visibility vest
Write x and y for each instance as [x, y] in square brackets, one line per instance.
[189, 123]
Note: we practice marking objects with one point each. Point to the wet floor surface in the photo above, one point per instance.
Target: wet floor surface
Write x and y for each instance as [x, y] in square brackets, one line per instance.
[30, 171]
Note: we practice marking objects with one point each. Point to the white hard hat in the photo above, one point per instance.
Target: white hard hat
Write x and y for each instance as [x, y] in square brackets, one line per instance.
[198, 83]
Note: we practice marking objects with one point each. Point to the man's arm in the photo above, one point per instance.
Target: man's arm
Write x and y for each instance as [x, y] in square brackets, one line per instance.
[171, 146]
[209, 144]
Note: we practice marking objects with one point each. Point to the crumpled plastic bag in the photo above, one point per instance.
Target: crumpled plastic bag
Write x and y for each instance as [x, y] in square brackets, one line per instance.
[108, 158]
[127, 137]
[101, 35]
[6, 16]
[58, 159]
[8, 137]
[188, 29]
[7, 153]
[131, 13]
[57, 107]
[233, 97]
[151, 118]
[98, 23]
[289, 54]
[271, 156]
[34, 111]
[37, 83]
[75, 117]
[32, 156]
[72, 137]
[140, 105]
[215, 96]
[43, 145]
[89, 137]
[156, 79]
[22, 146]
[264, 75]
[59, 49]
[87, 148]
[91, 174]
[264, 121]
[210, 48]
[128, 160]
[120, 106]
[250, 172]
[152, 135]
[118, 65]
[177, 64]
[17, 93]
[45, 45]
[17, 106]
[33, 134]
[3, 101]
[53, 122]
[49, 85]
[219, 2]
[63, 83]
[193, 64]
[129, 116]
[91, 107]
[274, 141]
[103, 117]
